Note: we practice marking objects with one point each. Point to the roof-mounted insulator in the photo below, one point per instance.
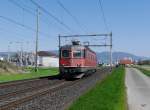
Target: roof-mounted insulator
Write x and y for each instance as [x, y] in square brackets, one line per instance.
[76, 42]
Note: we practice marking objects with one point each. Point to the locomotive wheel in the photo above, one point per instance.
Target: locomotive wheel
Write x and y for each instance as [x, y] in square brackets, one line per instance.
[60, 76]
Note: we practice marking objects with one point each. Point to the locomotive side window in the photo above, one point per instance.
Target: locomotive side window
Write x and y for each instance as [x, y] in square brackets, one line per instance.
[65, 53]
[78, 54]
[85, 53]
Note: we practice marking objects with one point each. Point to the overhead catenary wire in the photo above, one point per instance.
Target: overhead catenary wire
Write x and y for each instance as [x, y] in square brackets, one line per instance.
[16, 22]
[16, 34]
[25, 5]
[73, 17]
[107, 28]
[18, 5]
[103, 15]
[27, 10]
[22, 25]
[44, 20]
[52, 16]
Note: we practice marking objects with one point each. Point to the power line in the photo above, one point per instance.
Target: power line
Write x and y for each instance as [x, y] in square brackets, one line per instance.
[17, 23]
[28, 11]
[22, 25]
[73, 17]
[18, 5]
[51, 15]
[18, 34]
[46, 21]
[103, 14]
[22, 3]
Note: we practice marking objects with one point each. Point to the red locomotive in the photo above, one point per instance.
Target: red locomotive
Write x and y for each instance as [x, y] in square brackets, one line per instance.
[76, 60]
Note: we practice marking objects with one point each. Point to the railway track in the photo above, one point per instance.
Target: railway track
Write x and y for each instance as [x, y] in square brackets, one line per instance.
[25, 81]
[23, 91]
[20, 82]
[15, 86]
[13, 99]
[18, 90]
[32, 95]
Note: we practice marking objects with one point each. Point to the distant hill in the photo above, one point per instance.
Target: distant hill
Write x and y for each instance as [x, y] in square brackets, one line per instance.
[104, 56]
[5, 54]
[55, 52]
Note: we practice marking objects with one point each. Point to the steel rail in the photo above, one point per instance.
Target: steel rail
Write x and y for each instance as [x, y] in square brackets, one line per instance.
[23, 91]
[34, 95]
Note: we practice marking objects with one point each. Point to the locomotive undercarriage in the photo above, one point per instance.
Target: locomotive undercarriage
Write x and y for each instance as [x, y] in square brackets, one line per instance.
[76, 72]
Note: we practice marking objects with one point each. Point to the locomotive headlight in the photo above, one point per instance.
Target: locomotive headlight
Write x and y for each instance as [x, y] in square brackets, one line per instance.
[78, 65]
[62, 65]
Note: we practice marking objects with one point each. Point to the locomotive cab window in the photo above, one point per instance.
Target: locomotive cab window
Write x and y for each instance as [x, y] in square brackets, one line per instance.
[65, 53]
[78, 54]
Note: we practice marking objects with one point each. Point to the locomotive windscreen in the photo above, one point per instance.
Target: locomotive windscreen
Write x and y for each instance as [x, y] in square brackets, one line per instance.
[65, 53]
[78, 54]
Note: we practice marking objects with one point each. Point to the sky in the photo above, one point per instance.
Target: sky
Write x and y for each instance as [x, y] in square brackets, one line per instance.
[129, 21]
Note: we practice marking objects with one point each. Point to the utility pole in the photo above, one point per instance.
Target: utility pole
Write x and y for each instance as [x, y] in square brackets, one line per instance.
[59, 40]
[21, 53]
[111, 49]
[8, 57]
[26, 54]
[36, 42]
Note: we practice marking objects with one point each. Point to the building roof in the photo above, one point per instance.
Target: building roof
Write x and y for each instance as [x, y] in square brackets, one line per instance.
[46, 53]
[126, 61]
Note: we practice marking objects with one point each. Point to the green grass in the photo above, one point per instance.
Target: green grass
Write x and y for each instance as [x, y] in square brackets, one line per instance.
[41, 73]
[146, 72]
[109, 94]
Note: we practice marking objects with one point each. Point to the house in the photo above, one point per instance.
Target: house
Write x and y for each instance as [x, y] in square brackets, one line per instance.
[126, 61]
[47, 59]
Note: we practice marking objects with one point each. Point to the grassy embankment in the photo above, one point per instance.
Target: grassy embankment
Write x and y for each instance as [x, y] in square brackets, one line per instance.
[143, 70]
[108, 94]
[41, 73]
